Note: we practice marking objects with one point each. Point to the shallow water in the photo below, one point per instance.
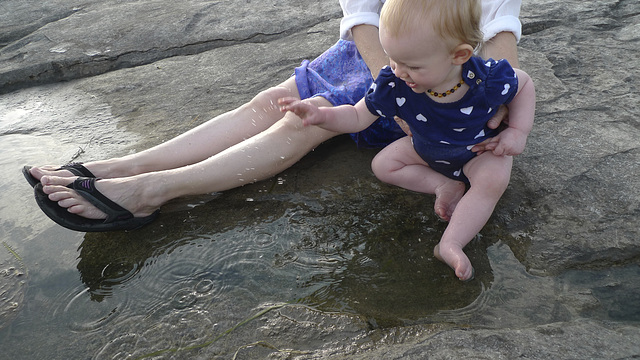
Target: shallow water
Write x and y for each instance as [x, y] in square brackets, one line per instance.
[329, 249]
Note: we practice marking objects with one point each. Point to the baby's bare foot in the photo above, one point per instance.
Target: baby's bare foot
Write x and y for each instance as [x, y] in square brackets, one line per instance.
[447, 197]
[456, 259]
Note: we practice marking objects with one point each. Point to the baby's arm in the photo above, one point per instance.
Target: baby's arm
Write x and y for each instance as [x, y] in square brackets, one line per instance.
[342, 119]
[512, 140]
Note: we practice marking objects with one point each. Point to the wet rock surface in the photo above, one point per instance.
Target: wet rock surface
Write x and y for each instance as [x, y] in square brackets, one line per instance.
[155, 69]
[13, 284]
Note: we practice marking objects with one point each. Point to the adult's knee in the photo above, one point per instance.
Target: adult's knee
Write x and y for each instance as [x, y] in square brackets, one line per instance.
[267, 100]
[292, 124]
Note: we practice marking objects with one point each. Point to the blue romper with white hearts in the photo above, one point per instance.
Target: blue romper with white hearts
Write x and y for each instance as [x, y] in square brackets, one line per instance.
[444, 133]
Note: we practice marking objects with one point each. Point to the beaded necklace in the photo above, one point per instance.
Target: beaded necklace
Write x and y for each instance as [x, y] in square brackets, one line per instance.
[448, 92]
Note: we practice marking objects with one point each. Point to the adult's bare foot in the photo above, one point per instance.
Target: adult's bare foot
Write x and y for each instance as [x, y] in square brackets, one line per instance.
[70, 170]
[122, 191]
[105, 169]
[447, 197]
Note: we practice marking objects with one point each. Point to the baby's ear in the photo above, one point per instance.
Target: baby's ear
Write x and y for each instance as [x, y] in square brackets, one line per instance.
[462, 53]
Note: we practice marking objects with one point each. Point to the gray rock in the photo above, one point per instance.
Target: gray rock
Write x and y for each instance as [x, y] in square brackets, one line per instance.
[583, 154]
[573, 202]
[88, 38]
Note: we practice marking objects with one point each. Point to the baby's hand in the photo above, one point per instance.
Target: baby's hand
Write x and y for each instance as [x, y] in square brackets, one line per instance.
[308, 112]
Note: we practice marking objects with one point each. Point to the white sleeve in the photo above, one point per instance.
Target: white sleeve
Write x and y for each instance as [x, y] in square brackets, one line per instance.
[499, 16]
[358, 12]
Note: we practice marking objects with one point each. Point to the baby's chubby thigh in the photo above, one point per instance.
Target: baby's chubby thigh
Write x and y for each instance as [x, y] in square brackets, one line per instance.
[489, 173]
[395, 156]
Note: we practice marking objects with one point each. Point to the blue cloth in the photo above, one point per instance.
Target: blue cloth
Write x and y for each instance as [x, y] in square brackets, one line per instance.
[341, 76]
[444, 133]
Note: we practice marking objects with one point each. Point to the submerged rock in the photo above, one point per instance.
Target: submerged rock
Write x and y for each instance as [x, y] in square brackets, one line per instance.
[13, 277]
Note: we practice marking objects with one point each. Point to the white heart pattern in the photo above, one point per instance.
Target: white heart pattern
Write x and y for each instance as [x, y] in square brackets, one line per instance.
[481, 134]
[467, 110]
[457, 173]
[392, 84]
[460, 130]
[421, 117]
[443, 162]
[470, 147]
[401, 101]
[374, 86]
[506, 89]
[380, 113]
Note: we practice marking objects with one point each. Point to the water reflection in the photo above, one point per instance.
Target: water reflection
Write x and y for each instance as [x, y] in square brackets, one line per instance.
[366, 259]
[391, 276]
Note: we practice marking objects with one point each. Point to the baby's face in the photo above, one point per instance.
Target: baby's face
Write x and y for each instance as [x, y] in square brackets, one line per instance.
[421, 58]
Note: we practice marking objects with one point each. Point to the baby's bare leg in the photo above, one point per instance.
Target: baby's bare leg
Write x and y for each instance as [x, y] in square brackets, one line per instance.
[197, 144]
[489, 176]
[399, 164]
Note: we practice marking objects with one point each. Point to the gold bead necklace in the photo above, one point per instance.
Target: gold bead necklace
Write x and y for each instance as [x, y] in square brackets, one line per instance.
[448, 92]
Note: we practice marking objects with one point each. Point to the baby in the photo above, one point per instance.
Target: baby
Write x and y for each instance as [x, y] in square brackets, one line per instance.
[445, 95]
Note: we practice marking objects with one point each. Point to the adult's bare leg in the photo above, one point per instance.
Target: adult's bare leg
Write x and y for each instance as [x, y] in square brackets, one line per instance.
[197, 144]
[254, 159]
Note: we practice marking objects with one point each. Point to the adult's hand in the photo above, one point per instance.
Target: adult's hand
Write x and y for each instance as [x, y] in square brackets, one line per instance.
[403, 125]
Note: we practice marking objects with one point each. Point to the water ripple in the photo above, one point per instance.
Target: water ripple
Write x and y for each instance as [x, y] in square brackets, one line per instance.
[84, 315]
[178, 283]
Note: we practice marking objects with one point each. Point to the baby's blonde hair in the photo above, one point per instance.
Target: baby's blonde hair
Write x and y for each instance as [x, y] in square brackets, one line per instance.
[457, 20]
